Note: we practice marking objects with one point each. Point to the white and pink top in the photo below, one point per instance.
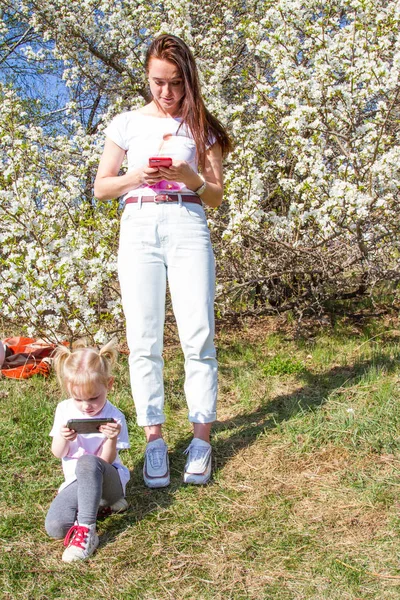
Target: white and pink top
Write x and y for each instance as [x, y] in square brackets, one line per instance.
[89, 443]
[143, 136]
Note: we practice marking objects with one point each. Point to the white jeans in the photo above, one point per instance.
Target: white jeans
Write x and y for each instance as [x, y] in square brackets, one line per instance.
[160, 242]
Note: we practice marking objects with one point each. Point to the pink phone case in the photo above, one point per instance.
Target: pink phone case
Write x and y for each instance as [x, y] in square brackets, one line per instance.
[160, 161]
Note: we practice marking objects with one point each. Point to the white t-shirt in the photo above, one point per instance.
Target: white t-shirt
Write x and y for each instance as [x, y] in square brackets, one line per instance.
[143, 136]
[89, 443]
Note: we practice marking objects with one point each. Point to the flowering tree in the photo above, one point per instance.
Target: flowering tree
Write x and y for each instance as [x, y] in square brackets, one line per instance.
[320, 216]
[310, 92]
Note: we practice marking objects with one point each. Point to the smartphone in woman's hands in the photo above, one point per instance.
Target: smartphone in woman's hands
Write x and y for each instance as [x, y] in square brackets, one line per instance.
[159, 161]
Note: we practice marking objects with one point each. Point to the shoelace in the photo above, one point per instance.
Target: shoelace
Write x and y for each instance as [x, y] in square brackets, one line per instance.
[78, 535]
[156, 457]
[198, 455]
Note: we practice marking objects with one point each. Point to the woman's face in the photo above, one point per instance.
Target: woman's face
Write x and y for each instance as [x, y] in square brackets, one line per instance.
[166, 85]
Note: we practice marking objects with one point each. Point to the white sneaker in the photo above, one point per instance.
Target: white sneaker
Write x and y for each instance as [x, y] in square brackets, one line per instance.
[198, 464]
[105, 510]
[81, 541]
[120, 505]
[156, 465]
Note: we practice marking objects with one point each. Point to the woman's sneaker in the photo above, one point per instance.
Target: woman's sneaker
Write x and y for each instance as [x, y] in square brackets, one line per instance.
[198, 463]
[156, 465]
[81, 541]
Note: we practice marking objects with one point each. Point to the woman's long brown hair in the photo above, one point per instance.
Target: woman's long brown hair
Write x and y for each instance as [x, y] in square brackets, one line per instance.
[201, 123]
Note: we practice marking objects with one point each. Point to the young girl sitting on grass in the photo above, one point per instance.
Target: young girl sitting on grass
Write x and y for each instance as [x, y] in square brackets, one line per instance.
[94, 474]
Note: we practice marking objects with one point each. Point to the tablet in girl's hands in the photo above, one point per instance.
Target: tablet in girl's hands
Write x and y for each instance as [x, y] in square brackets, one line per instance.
[88, 425]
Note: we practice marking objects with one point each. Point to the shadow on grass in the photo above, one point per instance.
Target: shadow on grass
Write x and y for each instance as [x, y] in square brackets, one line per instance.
[247, 427]
[242, 431]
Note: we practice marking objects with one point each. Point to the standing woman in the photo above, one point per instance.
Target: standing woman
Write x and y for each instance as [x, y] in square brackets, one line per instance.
[164, 236]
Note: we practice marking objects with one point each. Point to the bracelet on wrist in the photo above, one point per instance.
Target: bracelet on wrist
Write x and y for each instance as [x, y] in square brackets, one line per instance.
[200, 190]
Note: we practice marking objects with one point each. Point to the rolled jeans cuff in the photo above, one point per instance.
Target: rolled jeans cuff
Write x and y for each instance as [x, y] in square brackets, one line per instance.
[148, 420]
[200, 418]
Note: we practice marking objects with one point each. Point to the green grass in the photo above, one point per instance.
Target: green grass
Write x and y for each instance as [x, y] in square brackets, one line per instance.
[304, 499]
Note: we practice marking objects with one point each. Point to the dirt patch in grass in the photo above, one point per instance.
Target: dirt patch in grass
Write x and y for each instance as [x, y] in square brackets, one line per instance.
[268, 476]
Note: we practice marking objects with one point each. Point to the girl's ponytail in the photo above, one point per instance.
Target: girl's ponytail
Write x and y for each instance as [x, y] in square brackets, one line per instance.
[61, 355]
[109, 352]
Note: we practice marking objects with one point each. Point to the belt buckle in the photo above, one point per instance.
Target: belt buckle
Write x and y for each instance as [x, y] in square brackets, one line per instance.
[160, 198]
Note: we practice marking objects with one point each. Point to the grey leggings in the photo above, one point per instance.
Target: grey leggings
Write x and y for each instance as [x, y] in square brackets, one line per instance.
[95, 480]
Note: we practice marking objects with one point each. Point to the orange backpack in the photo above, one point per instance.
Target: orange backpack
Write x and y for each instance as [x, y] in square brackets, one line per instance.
[26, 357]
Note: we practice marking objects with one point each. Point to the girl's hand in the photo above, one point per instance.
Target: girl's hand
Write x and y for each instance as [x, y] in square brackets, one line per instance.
[68, 434]
[180, 171]
[110, 430]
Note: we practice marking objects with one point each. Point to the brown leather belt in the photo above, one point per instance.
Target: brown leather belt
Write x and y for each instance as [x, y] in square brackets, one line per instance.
[161, 198]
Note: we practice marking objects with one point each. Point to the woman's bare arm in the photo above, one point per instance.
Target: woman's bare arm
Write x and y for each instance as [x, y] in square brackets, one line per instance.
[212, 174]
[108, 184]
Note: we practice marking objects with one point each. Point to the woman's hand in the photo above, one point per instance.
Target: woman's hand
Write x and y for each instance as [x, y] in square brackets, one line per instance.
[110, 430]
[109, 184]
[151, 176]
[180, 171]
[212, 173]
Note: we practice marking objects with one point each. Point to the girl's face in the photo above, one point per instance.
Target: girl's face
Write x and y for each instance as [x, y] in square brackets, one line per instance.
[166, 85]
[90, 401]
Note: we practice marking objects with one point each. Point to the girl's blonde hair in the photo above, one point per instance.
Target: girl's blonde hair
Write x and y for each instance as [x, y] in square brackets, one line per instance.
[84, 366]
